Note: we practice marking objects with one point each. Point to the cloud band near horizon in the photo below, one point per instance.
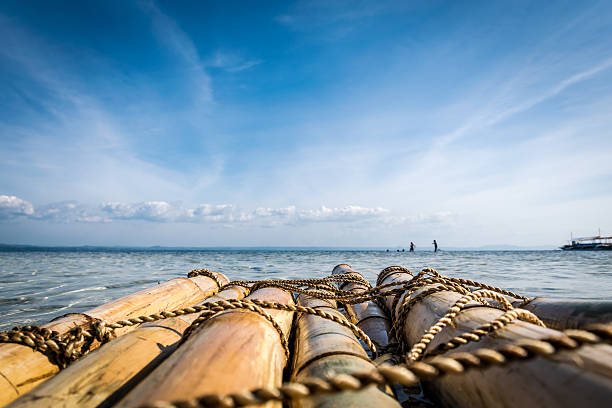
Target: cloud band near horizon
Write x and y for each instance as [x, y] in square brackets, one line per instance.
[14, 208]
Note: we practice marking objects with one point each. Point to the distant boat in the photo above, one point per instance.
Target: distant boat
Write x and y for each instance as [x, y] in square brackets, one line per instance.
[596, 243]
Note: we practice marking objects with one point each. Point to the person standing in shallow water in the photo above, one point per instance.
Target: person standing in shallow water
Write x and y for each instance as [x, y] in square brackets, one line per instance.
[435, 244]
[411, 246]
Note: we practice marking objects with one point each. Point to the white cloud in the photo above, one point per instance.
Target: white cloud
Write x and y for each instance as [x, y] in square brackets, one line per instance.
[288, 212]
[11, 207]
[214, 213]
[344, 214]
[150, 211]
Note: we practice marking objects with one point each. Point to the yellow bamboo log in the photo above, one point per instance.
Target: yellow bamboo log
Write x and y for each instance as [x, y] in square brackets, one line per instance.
[323, 348]
[368, 316]
[22, 368]
[563, 314]
[581, 377]
[233, 351]
[106, 375]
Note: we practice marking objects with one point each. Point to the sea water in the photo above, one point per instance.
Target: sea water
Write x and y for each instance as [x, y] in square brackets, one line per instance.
[38, 285]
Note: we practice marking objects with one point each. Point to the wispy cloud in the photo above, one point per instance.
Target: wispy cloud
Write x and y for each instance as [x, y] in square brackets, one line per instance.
[232, 62]
[496, 113]
[309, 14]
[175, 39]
[71, 133]
[469, 130]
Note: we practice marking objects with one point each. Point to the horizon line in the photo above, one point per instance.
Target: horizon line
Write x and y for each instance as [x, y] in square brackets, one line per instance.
[492, 247]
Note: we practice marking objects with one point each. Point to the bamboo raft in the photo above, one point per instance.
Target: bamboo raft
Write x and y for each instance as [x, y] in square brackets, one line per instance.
[413, 340]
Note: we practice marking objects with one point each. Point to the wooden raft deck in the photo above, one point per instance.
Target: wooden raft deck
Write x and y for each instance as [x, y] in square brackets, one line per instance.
[413, 340]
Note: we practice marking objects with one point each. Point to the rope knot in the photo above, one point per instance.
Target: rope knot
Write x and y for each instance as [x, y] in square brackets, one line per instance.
[103, 332]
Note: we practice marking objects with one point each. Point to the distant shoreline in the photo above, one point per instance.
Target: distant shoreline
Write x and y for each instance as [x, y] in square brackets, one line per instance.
[26, 247]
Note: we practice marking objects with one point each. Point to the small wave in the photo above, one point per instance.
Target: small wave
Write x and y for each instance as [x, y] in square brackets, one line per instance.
[85, 290]
[141, 281]
[48, 290]
[130, 284]
[16, 301]
[46, 309]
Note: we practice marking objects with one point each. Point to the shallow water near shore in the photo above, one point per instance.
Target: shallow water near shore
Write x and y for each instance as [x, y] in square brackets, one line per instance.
[38, 285]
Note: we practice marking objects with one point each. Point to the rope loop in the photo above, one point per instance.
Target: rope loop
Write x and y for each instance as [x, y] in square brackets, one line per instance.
[231, 304]
[208, 274]
[390, 270]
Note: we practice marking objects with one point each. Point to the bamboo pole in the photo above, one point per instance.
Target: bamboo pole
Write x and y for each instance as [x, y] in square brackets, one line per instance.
[106, 375]
[233, 351]
[322, 348]
[582, 377]
[22, 368]
[563, 314]
[368, 316]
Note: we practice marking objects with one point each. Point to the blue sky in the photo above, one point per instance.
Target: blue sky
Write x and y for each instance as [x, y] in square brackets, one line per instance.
[345, 123]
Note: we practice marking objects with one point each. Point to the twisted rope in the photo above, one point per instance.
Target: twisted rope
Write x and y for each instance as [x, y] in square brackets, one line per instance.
[208, 274]
[61, 349]
[390, 270]
[233, 304]
[419, 348]
[258, 306]
[404, 374]
[491, 327]
[419, 367]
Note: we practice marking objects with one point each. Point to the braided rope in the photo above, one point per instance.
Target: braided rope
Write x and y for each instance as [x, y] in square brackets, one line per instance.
[404, 374]
[491, 327]
[481, 285]
[232, 304]
[257, 306]
[419, 367]
[61, 349]
[419, 348]
[357, 275]
[64, 349]
[390, 270]
[325, 315]
[402, 314]
[208, 274]
[443, 284]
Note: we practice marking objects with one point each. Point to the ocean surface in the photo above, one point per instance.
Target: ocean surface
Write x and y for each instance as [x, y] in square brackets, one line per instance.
[37, 285]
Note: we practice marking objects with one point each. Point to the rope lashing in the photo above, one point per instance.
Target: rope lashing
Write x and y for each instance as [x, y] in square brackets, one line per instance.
[61, 349]
[422, 364]
[64, 349]
[258, 306]
[390, 270]
[233, 304]
[418, 349]
[403, 374]
[207, 273]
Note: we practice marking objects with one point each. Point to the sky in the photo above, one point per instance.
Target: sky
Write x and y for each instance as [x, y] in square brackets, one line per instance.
[306, 123]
